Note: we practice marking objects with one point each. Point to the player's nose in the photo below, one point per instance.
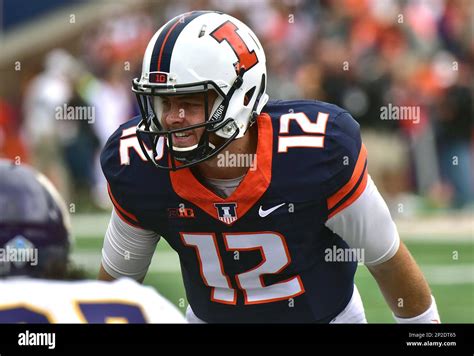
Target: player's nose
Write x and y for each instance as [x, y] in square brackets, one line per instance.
[175, 116]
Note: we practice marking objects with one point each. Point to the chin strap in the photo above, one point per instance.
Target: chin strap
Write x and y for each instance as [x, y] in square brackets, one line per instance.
[221, 110]
[254, 114]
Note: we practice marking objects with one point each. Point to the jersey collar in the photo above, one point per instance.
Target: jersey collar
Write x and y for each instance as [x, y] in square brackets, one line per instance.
[250, 190]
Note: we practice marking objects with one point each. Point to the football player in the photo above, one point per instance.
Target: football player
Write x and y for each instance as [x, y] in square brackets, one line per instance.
[35, 242]
[271, 241]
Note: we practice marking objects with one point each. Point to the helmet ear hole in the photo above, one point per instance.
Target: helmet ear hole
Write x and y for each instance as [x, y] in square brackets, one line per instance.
[248, 95]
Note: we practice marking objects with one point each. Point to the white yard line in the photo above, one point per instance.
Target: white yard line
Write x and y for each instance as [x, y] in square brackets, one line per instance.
[447, 274]
[163, 261]
[453, 227]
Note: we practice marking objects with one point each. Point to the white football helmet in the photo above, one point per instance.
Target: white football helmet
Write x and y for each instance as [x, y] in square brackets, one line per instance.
[193, 53]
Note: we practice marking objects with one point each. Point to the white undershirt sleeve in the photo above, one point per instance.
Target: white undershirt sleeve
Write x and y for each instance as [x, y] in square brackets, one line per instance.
[127, 250]
[366, 224]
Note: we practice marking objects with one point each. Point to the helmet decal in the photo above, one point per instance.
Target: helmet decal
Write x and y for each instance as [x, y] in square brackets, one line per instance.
[246, 59]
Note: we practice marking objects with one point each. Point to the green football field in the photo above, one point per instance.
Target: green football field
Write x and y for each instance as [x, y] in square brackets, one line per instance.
[448, 266]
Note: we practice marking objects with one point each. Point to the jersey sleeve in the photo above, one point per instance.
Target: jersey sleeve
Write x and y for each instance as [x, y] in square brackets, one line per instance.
[346, 162]
[119, 173]
[127, 250]
[356, 210]
[367, 225]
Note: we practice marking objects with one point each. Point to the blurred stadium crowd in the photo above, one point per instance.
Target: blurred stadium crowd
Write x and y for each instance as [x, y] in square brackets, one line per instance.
[366, 56]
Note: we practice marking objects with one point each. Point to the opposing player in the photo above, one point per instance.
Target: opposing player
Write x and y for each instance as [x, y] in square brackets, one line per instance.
[277, 240]
[35, 242]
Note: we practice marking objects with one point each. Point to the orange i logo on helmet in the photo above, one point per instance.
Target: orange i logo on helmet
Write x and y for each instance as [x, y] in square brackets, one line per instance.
[228, 32]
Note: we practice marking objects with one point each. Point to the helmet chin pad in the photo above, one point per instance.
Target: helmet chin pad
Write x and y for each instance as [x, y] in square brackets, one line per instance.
[193, 152]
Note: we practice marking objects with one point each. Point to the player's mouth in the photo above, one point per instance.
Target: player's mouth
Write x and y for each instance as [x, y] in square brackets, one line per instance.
[184, 139]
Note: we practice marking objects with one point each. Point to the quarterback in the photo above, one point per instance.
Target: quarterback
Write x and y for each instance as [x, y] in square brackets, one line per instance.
[260, 243]
[35, 274]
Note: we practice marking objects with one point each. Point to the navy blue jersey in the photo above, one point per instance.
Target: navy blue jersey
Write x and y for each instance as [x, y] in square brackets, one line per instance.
[258, 255]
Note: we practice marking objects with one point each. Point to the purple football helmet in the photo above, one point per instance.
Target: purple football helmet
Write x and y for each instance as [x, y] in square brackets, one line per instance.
[34, 222]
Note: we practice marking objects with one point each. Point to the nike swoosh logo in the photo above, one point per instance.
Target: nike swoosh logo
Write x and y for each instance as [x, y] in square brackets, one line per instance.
[267, 212]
